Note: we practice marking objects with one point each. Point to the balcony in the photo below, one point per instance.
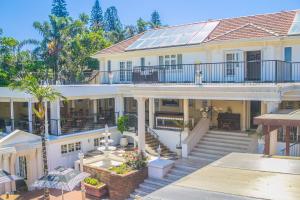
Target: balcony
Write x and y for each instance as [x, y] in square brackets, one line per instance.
[261, 71]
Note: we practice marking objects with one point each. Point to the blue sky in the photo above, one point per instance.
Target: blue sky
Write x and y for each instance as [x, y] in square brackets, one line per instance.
[17, 16]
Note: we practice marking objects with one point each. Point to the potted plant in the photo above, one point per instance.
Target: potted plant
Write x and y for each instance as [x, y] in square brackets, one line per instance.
[94, 187]
[123, 125]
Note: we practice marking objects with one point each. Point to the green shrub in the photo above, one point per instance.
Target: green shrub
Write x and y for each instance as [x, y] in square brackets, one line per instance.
[121, 169]
[93, 182]
[123, 124]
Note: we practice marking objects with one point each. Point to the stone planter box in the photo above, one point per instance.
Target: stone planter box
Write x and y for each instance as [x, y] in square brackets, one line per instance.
[119, 186]
[94, 191]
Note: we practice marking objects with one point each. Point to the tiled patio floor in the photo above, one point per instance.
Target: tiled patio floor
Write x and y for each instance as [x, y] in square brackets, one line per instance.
[55, 195]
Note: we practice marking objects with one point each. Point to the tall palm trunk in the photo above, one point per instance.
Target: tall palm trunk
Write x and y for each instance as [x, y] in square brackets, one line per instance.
[44, 153]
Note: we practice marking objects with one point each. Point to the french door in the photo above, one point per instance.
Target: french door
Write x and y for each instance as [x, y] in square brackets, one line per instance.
[253, 69]
[126, 71]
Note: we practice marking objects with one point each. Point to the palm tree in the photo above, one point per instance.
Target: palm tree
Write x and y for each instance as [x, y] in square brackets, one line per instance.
[30, 85]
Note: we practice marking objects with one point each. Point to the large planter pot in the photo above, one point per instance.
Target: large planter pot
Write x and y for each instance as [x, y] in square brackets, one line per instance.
[123, 141]
[96, 191]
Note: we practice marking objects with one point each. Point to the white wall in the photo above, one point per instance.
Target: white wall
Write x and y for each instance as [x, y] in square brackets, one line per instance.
[55, 158]
[170, 138]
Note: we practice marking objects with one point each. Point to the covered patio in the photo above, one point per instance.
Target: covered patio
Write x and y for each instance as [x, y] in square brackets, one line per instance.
[271, 123]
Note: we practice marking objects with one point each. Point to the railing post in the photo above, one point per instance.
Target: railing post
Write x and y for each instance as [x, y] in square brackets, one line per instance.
[276, 71]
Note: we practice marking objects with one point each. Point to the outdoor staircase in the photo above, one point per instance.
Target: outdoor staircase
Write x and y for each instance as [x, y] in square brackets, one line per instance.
[212, 146]
[152, 144]
[181, 168]
[216, 144]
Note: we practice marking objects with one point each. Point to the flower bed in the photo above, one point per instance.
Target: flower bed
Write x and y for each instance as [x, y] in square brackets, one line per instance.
[94, 187]
[123, 179]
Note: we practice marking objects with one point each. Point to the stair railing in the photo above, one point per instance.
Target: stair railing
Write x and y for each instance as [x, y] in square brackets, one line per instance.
[294, 150]
[156, 136]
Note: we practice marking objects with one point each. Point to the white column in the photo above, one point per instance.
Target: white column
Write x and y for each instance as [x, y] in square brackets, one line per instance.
[39, 162]
[12, 115]
[141, 123]
[6, 168]
[46, 119]
[119, 105]
[186, 114]
[55, 117]
[95, 110]
[244, 114]
[151, 112]
[30, 115]
[12, 170]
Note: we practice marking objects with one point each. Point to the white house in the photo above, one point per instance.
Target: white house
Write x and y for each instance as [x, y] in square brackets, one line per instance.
[198, 86]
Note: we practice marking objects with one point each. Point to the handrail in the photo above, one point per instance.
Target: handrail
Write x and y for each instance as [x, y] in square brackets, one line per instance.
[293, 148]
[152, 131]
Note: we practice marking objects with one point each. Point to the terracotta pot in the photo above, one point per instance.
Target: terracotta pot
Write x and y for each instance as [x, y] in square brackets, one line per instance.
[94, 191]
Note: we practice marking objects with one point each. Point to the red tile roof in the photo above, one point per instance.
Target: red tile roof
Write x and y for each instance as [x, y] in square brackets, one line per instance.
[276, 23]
[256, 26]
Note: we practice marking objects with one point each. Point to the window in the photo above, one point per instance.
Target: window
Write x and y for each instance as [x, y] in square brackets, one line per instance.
[96, 142]
[288, 54]
[22, 167]
[71, 147]
[78, 146]
[171, 61]
[231, 62]
[109, 66]
[64, 149]
[126, 71]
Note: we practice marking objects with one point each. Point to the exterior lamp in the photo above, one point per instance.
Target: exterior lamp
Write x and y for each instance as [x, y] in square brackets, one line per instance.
[110, 76]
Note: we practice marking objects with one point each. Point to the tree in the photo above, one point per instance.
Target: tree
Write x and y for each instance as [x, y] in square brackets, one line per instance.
[141, 25]
[96, 16]
[129, 31]
[111, 20]
[41, 93]
[59, 8]
[155, 20]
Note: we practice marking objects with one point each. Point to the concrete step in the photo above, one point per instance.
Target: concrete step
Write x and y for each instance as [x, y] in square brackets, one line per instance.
[159, 182]
[225, 141]
[227, 133]
[185, 168]
[180, 172]
[217, 152]
[143, 190]
[206, 155]
[235, 147]
[222, 136]
[150, 186]
[137, 195]
[205, 146]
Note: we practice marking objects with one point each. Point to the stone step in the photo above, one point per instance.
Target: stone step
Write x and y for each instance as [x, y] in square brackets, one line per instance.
[206, 155]
[209, 146]
[150, 186]
[217, 152]
[180, 172]
[160, 182]
[222, 136]
[235, 147]
[208, 160]
[227, 133]
[185, 168]
[225, 141]
[143, 190]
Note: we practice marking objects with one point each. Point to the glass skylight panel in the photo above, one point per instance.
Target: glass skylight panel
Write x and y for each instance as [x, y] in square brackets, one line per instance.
[295, 27]
[174, 36]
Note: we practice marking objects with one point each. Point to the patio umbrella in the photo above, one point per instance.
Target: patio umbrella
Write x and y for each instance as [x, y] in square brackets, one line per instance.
[6, 177]
[61, 178]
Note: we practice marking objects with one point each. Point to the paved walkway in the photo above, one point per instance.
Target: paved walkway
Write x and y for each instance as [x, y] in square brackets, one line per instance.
[238, 177]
